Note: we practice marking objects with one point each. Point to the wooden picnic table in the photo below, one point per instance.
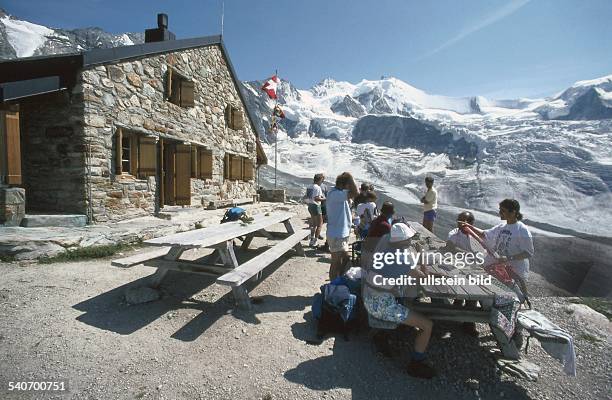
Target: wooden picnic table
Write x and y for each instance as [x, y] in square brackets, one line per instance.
[167, 255]
[479, 299]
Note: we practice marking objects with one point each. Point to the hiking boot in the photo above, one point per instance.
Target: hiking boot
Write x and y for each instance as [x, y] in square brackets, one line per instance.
[420, 369]
[321, 237]
[312, 242]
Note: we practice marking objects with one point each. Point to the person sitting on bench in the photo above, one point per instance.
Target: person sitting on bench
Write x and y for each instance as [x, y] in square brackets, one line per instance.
[380, 298]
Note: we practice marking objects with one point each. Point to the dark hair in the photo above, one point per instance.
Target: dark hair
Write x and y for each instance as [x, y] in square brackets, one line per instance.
[371, 187]
[318, 177]
[466, 216]
[370, 196]
[429, 179]
[343, 180]
[512, 205]
[387, 209]
[364, 187]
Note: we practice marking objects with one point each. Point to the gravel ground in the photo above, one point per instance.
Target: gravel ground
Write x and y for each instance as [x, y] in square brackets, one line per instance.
[70, 321]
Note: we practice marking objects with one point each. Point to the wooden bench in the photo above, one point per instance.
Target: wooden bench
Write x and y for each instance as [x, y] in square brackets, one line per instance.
[141, 257]
[252, 268]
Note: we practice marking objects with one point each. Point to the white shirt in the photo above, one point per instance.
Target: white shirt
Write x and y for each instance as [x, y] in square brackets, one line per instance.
[431, 197]
[314, 191]
[461, 240]
[510, 240]
[371, 206]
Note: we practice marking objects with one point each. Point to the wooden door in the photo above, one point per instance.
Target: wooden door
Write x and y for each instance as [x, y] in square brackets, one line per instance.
[182, 175]
[168, 174]
[10, 147]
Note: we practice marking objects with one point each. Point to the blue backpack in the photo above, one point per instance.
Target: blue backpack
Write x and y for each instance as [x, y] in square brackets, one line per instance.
[233, 214]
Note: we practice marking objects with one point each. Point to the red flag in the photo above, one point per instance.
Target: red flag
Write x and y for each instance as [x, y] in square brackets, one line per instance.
[270, 86]
[278, 111]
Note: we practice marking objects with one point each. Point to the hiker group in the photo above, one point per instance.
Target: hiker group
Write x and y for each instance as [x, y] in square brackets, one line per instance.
[347, 209]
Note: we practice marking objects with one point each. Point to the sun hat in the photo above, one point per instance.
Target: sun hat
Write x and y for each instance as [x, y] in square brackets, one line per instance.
[400, 232]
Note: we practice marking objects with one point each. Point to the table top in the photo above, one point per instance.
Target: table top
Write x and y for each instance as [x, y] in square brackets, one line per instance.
[464, 291]
[216, 234]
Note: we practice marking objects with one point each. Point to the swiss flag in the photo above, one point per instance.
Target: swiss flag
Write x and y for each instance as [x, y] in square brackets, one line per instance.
[270, 86]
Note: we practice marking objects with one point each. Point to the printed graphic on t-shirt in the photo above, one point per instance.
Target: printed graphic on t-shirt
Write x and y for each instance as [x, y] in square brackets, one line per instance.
[503, 241]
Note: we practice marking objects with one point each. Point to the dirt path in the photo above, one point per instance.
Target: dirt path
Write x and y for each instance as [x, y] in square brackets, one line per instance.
[69, 321]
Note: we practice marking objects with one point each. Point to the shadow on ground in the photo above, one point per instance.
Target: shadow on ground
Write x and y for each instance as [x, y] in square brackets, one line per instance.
[109, 311]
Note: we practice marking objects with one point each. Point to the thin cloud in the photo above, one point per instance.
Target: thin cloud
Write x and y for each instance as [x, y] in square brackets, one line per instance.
[501, 13]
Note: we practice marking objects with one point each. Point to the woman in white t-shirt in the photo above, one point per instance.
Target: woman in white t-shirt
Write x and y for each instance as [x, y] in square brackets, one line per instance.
[366, 212]
[510, 241]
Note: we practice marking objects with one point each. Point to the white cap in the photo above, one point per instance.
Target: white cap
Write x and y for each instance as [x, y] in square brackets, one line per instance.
[401, 232]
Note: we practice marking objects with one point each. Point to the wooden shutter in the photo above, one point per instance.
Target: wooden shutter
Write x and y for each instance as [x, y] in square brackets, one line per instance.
[249, 169]
[175, 92]
[182, 179]
[169, 84]
[226, 166]
[205, 163]
[237, 119]
[235, 167]
[134, 151]
[187, 93]
[147, 157]
[118, 151]
[11, 148]
[228, 116]
[195, 171]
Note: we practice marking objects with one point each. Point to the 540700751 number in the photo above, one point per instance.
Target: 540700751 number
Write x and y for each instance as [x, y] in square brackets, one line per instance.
[26, 386]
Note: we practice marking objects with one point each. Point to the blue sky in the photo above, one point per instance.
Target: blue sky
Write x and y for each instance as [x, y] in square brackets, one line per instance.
[494, 48]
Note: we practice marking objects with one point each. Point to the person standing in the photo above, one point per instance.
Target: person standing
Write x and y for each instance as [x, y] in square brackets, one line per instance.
[315, 197]
[430, 204]
[339, 221]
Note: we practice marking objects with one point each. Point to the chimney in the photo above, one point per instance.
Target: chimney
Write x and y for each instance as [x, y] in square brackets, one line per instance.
[161, 33]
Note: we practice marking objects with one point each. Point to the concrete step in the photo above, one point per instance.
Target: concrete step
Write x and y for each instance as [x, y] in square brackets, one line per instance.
[45, 220]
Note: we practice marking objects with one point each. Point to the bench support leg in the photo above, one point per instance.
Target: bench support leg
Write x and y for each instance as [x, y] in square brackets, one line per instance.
[227, 254]
[291, 230]
[241, 296]
[173, 255]
[508, 347]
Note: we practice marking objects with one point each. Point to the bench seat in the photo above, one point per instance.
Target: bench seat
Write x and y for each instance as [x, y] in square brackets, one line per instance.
[244, 272]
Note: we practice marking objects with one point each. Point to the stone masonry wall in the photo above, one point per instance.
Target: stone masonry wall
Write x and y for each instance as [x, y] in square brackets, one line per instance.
[132, 94]
[53, 152]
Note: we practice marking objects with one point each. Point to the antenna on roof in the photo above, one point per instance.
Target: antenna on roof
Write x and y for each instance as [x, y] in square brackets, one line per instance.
[222, 14]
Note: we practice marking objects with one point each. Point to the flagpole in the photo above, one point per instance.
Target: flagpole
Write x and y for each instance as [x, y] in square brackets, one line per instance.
[276, 143]
[222, 14]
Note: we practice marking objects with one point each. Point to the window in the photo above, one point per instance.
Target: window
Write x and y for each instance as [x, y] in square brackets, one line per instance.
[234, 118]
[136, 155]
[201, 163]
[238, 168]
[180, 89]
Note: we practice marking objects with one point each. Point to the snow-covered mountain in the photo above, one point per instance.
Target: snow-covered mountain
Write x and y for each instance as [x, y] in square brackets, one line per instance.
[20, 38]
[554, 155]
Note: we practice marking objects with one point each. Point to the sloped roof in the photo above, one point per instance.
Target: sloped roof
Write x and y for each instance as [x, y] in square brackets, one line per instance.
[22, 72]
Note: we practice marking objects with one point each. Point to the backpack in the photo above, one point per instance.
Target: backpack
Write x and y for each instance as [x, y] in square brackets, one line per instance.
[330, 318]
[233, 214]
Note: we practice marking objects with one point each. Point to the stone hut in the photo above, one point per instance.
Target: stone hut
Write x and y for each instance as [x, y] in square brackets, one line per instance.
[119, 133]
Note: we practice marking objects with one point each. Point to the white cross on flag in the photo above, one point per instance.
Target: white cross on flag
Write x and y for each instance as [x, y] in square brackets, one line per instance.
[270, 86]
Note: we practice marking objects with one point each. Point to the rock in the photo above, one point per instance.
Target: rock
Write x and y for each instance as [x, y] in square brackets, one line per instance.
[115, 73]
[134, 79]
[141, 295]
[472, 383]
[12, 206]
[591, 319]
[519, 368]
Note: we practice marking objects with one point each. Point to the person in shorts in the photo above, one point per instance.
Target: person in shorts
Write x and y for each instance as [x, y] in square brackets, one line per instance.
[339, 222]
[430, 204]
[315, 197]
[381, 299]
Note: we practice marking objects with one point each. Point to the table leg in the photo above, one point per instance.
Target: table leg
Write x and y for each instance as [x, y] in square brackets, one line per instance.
[507, 345]
[173, 255]
[291, 230]
[227, 254]
[247, 241]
